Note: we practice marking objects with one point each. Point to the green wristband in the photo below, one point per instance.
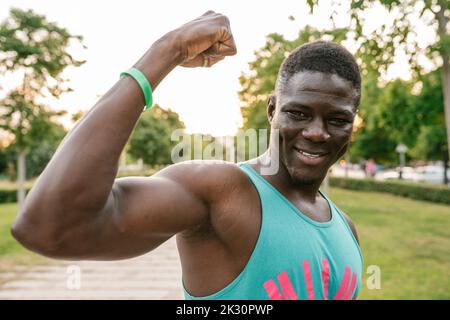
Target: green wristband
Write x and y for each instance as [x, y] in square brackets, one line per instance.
[143, 83]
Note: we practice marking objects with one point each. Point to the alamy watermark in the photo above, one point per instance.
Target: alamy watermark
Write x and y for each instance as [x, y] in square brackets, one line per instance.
[246, 145]
[373, 281]
[73, 281]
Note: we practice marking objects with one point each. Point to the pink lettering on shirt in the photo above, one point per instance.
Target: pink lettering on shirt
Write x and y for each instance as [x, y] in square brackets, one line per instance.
[325, 277]
[345, 291]
[308, 279]
[286, 288]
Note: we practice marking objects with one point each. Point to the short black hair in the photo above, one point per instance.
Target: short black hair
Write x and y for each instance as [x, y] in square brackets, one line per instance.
[322, 56]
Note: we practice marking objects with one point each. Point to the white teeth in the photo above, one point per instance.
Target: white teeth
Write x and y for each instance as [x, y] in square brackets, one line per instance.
[309, 154]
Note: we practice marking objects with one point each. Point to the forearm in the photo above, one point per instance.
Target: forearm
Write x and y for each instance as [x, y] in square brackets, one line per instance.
[80, 175]
[75, 208]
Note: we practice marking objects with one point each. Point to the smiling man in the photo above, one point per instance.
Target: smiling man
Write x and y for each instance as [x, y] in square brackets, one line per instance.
[240, 234]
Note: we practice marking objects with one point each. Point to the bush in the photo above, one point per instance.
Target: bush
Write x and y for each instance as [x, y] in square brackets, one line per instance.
[9, 195]
[439, 194]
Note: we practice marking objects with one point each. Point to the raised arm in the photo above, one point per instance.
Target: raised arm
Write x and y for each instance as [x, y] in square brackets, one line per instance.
[77, 209]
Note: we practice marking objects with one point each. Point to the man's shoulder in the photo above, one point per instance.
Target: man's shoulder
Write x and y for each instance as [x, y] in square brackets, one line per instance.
[206, 176]
[202, 169]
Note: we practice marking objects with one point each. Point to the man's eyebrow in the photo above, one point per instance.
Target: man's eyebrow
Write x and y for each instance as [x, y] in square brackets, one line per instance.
[344, 113]
[295, 104]
[303, 106]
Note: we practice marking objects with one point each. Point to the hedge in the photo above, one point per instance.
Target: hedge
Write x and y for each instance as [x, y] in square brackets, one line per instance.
[439, 194]
[9, 195]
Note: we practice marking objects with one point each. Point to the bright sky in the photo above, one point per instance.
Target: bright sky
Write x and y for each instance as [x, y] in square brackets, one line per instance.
[117, 33]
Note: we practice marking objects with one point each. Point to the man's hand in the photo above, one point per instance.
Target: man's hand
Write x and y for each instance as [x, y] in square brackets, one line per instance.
[205, 40]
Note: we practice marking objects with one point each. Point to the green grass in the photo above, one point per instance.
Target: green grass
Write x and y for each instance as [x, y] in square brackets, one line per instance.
[409, 240]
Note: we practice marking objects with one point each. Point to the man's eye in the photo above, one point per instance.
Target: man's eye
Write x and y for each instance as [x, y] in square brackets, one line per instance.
[339, 122]
[297, 115]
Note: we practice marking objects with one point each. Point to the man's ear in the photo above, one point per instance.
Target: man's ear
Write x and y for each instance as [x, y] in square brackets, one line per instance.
[271, 105]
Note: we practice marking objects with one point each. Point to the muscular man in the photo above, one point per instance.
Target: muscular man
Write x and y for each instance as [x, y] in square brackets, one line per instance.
[241, 234]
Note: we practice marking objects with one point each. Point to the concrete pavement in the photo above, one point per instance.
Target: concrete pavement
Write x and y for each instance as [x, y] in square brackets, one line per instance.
[156, 275]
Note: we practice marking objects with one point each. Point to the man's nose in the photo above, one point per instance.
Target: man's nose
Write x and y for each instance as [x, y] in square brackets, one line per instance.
[316, 131]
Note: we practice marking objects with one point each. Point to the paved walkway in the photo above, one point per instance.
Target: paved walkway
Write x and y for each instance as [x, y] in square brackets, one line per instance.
[156, 275]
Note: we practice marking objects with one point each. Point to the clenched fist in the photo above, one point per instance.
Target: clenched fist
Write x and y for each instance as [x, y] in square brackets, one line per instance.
[205, 41]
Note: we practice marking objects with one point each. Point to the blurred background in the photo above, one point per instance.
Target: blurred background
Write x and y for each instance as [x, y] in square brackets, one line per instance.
[58, 58]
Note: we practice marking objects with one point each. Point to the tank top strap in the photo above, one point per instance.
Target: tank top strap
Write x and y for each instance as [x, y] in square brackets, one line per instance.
[345, 223]
[255, 178]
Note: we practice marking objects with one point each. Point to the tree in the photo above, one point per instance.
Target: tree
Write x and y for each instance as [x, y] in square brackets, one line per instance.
[37, 49]
[402, 36]
[392, 121]
[151, 139]
[401, 113]
[432, 138]
[41, 151]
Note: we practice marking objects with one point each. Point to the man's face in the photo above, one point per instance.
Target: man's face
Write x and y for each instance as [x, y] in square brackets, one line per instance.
[314, 114]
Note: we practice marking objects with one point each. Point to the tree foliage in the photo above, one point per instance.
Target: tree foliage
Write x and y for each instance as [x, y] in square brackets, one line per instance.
[36, 49]
[150, 139]
[401, 115]
[431, 141]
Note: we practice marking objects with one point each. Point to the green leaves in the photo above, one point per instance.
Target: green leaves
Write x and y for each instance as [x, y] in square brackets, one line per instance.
[33, 44]
[397, 115]
[357, 4]
[38, 48]
[150, 139]
[312, 4]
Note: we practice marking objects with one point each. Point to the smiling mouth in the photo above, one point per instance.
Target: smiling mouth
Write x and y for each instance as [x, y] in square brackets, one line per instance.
[310, 154]
[311, 157]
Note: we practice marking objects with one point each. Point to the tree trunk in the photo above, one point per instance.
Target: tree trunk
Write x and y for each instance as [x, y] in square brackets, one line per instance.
[446, 89]
[442, 31]
[21, 177]
[446, 158]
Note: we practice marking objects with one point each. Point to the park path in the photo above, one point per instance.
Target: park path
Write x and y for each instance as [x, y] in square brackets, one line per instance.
[156, 275]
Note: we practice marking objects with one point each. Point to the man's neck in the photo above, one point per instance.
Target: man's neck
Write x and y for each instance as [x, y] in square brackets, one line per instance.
[283, 181]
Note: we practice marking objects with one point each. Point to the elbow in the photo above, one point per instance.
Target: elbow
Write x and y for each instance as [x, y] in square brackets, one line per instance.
[35, 239]
[18, 232]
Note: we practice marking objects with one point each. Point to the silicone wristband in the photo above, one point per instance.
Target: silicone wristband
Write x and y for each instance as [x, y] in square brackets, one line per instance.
[143, 83]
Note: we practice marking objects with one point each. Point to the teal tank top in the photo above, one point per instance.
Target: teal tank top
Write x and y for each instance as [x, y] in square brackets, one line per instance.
[295, 257]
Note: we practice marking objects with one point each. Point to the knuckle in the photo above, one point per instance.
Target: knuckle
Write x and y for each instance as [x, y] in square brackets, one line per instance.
[225, 19]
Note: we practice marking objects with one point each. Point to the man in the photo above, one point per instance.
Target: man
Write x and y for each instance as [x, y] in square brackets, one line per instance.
[240, 234]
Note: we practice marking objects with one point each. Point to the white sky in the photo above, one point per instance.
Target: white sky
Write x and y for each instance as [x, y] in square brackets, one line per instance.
[117, 33]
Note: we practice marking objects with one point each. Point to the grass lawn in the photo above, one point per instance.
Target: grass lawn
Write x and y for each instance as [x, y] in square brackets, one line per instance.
[408, 240]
